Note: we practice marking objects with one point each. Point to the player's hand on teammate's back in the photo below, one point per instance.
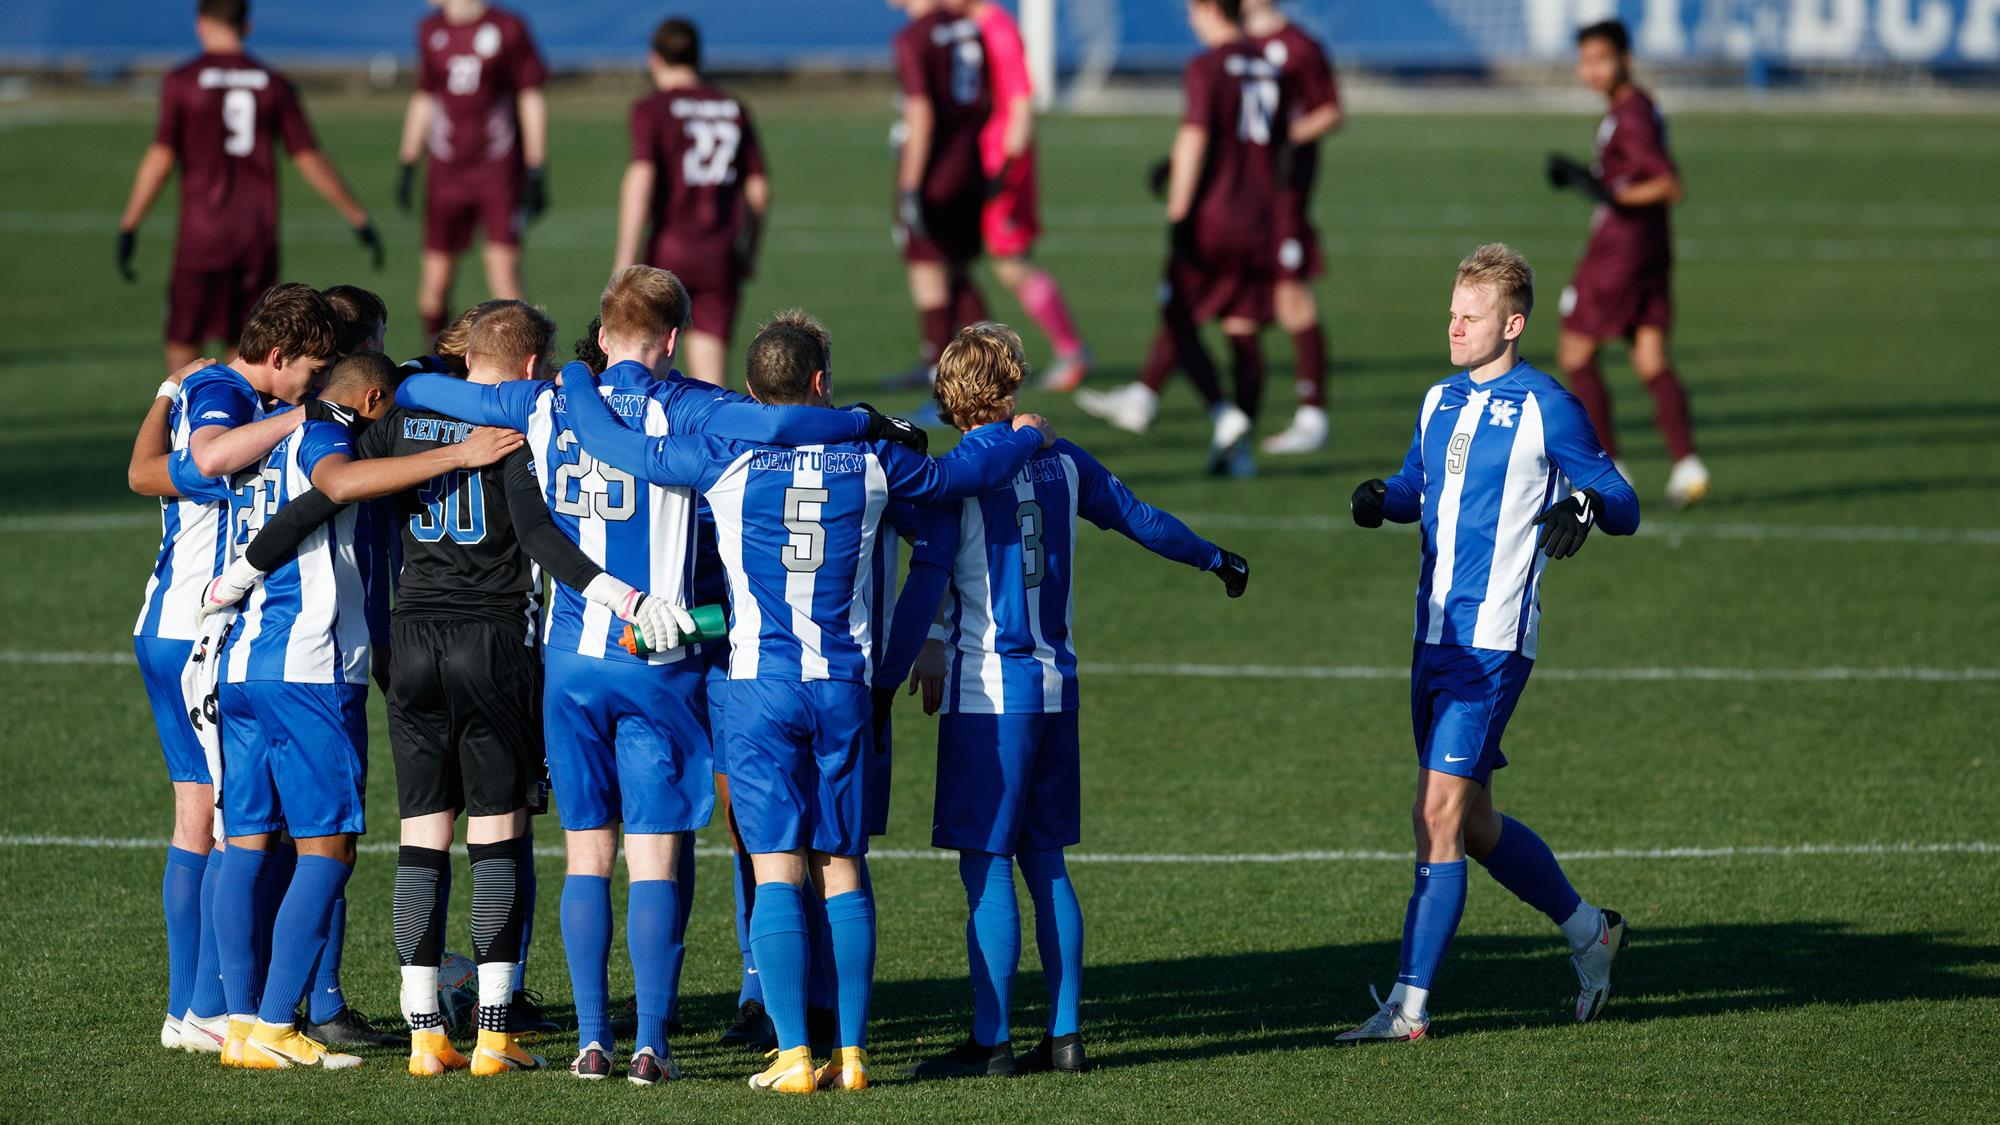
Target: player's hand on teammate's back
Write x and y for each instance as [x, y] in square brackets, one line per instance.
[370, 241]
[884, 427]
[1565, 525]
[928, 673]
[535, 193]
[406, 187]
[1367, 503]
[910, 212]
[1234, 570]
[1566, 174]
[1023, 421]
[190, 367]
[127, 244]
[485, 445]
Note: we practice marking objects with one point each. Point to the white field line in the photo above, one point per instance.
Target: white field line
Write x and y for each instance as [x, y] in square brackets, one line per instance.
[1832, 674]
[1344, 855]
[1668, 530]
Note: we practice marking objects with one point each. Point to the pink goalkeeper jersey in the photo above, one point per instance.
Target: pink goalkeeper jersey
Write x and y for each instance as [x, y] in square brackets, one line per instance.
[1007, 62]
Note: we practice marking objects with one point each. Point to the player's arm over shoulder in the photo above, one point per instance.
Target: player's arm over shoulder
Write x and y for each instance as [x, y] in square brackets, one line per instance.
[1104, 500]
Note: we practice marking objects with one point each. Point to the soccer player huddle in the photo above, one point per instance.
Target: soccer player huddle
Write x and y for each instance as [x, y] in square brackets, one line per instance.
[664, 603]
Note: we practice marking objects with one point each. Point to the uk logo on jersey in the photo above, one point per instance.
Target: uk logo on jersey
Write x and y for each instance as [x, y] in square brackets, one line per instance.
[1501, 414]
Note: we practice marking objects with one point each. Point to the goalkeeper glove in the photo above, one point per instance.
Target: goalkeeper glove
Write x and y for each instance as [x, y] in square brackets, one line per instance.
[1568, 175]
[406, 187]
[910, 212]
[231, 587]
[1234, 570]
[1566, 525]
[1367, 503]
[884, 427]
[370, 241]
[657, 623]
[535, 193]
[1157, 176]
[127, 245]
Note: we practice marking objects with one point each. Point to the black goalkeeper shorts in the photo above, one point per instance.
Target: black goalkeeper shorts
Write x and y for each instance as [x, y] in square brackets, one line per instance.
[465, 716]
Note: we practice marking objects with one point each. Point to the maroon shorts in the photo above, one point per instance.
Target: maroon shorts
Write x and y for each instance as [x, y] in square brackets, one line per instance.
[712, 308]
[1222, 287]
[1298, 251]
[494, 208]
[214, 304]
[1606, 306]
[952, 228]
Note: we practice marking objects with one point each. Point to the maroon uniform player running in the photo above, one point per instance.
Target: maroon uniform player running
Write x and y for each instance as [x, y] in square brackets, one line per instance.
[1623, 286]
[940, 183]
[222, 115]
[1222, 210]
[479, 112]
[695, 195]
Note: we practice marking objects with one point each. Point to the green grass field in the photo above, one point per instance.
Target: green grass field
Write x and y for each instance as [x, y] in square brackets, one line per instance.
[1808, 855]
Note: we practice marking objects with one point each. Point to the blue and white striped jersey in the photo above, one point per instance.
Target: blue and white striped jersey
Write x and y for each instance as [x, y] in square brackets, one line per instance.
[1486, 459]
[307, 622]
[799, 530]
[641, 532]
[194, 529]
[1012, 591]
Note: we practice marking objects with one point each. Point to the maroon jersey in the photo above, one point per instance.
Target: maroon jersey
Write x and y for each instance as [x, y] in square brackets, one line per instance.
[941, 57]
[222, 115]
[1236, 94]
[475, 70]
[1309, 83]
[1631, 147]
[702, 147]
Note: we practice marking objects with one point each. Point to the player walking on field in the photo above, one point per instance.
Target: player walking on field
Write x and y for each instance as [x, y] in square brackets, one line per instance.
[695, 196]
[1500, 451]
[480, 115]
[222, 115]
[1624, 285]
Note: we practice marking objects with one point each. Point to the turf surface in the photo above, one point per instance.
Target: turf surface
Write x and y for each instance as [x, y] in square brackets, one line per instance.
[1829, 303]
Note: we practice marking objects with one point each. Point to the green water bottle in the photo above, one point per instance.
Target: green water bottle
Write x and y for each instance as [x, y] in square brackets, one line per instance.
[711, 623]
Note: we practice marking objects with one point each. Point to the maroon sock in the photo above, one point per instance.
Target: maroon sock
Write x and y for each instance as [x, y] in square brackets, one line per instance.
[1247, 361]
[1159, 361]
[967, 307]
[1587, 384]
[1670, 413]
[1310, 347]
[1190, 354]
[935, 325]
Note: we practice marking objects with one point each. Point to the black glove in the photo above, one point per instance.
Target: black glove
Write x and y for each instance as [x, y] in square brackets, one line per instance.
[406, 188]
[1367, 503]
[535, 193]
[885, 698]
[1566, 525]
[320, 410]
[1234, 570]
[127, 243]
[998, 181]
[883, 427]
[1181, 242]
[370, 241]
[1568, 175]
[910, 213]
[1158, 175]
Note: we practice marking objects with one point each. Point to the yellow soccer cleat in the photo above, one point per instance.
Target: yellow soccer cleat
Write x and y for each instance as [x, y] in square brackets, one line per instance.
[431, 1053]
[271, 1047]
[233, 1040]
[790, 1072]
[847, 1071]
[497, 1053]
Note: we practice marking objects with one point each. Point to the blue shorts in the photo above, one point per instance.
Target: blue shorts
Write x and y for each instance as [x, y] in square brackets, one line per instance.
[715, 673]
[1008, 783]
[161, 661]
[1460, 701]
[798, 764]
[877, 770]
[294, 756]
[627, 743]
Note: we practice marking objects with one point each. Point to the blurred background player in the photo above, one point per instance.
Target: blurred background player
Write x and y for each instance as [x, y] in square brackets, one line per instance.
[478, 111]
[1623, 288]
[1011, 222]
[1315, 100]
[222, 115]
[1008, 755]
[695, 197]
[1222, 215]
[947, 98]
[1495, 448]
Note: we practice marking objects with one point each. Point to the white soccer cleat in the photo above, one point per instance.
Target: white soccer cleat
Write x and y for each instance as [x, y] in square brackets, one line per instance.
[1065, 373]
[203, 1036]
[1306, 434]
[1687, 483]
[1593, 965]
[1389, 1024]
[1129, 408]
[170, 1034]
[1231, 426]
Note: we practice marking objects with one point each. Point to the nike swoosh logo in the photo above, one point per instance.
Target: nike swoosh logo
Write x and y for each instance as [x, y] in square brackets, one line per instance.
[1449, 758]
[1583, 517]
[1453, 406]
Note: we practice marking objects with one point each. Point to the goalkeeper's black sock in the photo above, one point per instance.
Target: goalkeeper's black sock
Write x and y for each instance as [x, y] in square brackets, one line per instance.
[423, 882]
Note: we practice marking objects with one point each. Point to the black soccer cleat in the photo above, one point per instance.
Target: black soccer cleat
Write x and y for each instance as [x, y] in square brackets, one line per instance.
[525, 1015]
[969, 1060]
[1062, 1054]
[350, 1028]
[751, 1028]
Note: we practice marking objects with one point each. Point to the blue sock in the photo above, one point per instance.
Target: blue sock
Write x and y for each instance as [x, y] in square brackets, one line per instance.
[746, 894]
[236, 928]
[586, 931]
[850, 919]
[299, 934]
[650, 920]
[1524, 865]
[1058, 935]
[180, 900]
[992, 942]
[325, 1001]
[205, 998]
[1435, 908]
[819, 953]
[271, 884]
[528, 884]
[778, 941]
[683, 906]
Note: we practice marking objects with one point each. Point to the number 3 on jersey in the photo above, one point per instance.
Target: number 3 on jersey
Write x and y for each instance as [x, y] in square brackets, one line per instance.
[1034, 559]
